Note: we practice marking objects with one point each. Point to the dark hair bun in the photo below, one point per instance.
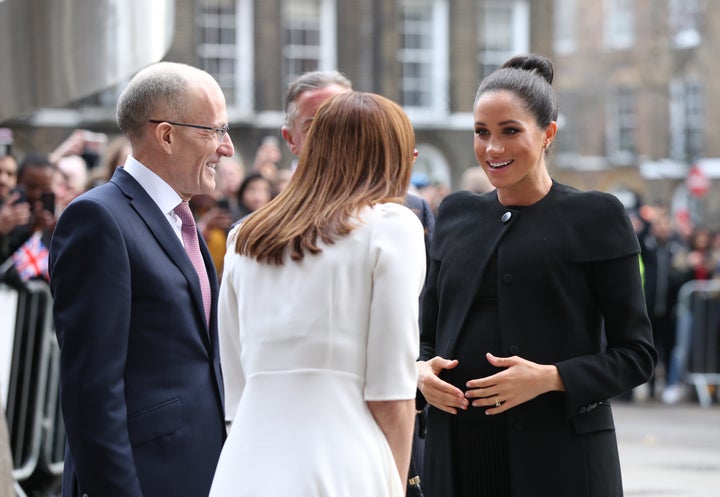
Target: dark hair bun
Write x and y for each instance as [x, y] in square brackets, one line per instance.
[532, 62]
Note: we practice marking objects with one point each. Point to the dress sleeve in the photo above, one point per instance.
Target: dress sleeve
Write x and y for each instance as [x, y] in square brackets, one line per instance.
[398, 269]
[229, 333]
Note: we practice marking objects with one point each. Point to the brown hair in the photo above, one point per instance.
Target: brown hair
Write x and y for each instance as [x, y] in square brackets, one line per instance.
[359, 152]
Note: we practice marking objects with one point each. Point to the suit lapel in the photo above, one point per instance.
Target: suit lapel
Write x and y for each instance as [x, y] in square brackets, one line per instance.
[158, 225]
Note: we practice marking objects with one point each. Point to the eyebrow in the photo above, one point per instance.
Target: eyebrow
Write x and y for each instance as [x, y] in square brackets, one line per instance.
[501, 123]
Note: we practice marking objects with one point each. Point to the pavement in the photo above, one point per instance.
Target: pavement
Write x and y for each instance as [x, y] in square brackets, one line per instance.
[668, 451]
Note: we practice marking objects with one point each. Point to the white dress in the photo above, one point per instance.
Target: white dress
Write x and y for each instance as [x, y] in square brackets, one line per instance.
[304, 346]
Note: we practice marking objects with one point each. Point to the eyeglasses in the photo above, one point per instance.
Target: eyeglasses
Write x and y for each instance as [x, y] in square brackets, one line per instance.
[219, 132]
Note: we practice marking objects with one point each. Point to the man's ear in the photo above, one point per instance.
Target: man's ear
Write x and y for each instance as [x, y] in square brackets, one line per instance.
[164, 137]
[289, 140]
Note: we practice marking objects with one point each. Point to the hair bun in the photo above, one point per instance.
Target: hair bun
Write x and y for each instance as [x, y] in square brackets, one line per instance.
[532, 62]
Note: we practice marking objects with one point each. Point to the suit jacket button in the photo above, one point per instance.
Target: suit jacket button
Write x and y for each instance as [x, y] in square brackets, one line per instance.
[514, 349]
[507, 278]
[506, 217]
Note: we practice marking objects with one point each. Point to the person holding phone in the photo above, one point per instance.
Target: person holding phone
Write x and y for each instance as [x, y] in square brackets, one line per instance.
[33, 201]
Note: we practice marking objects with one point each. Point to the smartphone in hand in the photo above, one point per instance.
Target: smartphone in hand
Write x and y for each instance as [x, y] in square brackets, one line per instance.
[48, 201]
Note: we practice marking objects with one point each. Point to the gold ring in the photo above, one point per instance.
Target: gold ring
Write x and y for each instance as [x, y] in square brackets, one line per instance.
[497, 403]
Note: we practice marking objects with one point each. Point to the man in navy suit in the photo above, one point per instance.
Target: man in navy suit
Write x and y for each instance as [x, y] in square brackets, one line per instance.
[141, 386]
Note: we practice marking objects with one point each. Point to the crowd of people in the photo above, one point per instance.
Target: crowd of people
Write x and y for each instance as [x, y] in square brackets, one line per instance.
[331, 322]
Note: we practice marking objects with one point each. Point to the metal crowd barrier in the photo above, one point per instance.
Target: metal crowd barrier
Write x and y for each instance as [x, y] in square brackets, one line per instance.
[35, 426]
[697, 347]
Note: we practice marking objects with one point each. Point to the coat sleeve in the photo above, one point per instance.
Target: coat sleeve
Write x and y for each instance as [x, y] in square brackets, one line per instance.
[628, 358]
[91, 286]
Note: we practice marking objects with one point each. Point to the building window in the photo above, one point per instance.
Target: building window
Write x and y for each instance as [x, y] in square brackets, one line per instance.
[217, 42]
[622, 122]
[619, 24]
[423, 54]
[224, 48]
[301, 30]
[565, 26]
[505, 31]
[687, 121]
[309, 42]
[684, 17]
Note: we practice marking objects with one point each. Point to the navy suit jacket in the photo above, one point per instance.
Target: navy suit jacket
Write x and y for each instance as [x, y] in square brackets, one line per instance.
[141, 386]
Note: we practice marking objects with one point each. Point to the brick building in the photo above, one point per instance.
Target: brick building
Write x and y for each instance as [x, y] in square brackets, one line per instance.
[633, 76]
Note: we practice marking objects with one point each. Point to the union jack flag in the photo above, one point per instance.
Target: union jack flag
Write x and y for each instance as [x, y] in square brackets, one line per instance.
[31, 259]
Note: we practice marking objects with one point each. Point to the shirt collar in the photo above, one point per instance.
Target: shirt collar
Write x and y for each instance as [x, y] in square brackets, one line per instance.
[162, 193]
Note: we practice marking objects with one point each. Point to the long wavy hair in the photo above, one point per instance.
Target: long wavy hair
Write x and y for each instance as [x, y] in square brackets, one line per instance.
[359, 152]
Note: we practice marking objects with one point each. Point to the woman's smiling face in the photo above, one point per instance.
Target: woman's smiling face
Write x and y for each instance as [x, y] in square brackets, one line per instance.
[509, 144]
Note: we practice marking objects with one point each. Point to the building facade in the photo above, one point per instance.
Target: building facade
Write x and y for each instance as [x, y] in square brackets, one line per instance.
[634, 78]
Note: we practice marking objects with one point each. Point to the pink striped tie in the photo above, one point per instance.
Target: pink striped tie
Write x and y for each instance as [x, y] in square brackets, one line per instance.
[192, 247]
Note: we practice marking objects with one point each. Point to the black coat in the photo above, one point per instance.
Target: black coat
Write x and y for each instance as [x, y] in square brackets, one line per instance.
[568, 273]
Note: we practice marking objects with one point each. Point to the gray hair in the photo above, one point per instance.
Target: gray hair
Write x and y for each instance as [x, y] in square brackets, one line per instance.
[156, 92]
[310, 81]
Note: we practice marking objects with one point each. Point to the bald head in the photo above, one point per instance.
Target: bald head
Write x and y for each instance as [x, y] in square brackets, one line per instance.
[157, 92]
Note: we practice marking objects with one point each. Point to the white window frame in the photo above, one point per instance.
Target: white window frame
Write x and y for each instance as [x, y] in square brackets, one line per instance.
[324, 53]
[622, 125]
[565, 26]
[619, 24]
[687, 120]
[239, 82]
[684, 18]
[431, 84]
[492, 57]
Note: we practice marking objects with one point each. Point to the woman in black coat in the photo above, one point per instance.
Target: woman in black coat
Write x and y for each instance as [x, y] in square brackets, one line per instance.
[533, 314]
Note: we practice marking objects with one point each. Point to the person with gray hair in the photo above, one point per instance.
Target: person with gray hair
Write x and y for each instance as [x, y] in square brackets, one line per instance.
[135, 301]
[302, 100]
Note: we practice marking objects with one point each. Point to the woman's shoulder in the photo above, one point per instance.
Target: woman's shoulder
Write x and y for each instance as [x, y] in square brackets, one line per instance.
[588, 205]
[590, 198]
[597, 224]
[391, 218]
[389, 211]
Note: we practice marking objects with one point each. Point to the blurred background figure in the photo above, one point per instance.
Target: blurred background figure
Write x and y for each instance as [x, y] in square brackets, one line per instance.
[662, 248]
[282, 179]
[697, 261]
[87, 144]
[267, 158]
[475, 180]
[255, 192]
[113, 156]
[71, 179]
[229, 175]
[13, 210]
[8, 175]
[432, 192]
[213, 219]
[23, 249]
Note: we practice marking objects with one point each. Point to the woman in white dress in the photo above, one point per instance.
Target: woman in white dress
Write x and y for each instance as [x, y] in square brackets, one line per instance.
[319, 317]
